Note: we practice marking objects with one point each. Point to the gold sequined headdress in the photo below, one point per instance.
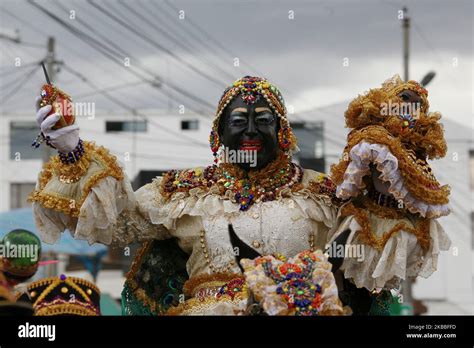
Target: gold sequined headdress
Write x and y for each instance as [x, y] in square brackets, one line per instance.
[420, 130]
[412, 140]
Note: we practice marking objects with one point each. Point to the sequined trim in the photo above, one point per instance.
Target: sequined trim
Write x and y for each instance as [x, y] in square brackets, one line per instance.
[194, 283]
[61, 307]
[421, 231]
[71, 173]
[137, 291]
[210, 290]
[419, 183]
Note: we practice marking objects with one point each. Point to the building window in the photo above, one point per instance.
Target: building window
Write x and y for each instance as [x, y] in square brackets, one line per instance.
[190, 124]
[126, 126]
[19, 194]
[22, 135]
[310, 137]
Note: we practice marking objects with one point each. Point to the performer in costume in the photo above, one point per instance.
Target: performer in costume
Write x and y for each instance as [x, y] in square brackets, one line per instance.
[276, 207]
[182, 218]
[394, 198]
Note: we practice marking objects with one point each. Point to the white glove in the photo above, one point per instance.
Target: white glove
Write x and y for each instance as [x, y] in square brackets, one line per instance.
[63, 139]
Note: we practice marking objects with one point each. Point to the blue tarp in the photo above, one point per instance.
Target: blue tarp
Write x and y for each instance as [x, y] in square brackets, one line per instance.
[23, 218]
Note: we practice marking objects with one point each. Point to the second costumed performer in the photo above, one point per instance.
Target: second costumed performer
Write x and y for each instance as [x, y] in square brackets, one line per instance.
[392, 197]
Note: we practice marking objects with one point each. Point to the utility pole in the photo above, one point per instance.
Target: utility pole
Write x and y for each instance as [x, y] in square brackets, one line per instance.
[406, 42]
[51, 63]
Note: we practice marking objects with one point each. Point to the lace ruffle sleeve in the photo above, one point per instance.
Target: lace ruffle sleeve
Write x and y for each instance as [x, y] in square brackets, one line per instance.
[94, 200]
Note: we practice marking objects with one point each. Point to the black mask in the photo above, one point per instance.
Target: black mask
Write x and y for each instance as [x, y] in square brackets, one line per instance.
[250, 127]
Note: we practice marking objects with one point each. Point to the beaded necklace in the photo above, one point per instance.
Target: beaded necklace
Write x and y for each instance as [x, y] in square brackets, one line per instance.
[249, 188]
[295, 284]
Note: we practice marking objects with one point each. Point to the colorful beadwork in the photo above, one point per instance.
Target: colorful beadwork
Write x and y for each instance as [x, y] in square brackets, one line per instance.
[73, 156]
[295, 284]
[284, 138]
[251, 89]
[232, 288]
[246, 190]
[215, 144]
[408, 121]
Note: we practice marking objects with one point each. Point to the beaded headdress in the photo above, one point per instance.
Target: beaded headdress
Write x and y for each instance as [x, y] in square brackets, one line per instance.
[251, 89]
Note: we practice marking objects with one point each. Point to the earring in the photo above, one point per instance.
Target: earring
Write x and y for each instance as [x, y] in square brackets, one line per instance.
[215, 144]
[284, 138]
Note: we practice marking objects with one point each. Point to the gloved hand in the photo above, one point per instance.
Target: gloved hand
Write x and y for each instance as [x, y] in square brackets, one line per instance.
[63, 139]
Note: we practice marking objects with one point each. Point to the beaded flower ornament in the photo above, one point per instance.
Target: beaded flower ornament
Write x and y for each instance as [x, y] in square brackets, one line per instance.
[303, 285]
[251, 89]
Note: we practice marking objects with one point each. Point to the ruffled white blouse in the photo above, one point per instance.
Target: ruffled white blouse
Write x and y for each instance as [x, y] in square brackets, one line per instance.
[402, 255]
[113, 213]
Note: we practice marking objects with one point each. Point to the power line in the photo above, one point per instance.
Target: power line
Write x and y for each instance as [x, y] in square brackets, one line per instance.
[15, 44]
[15, 89]
[155, 44]
[173, 39]
[72, 48]
[11, 57]
[209, 37]
[163, 16]
[131, 109]
[100, 47]
[28, 44]
[108, 41]
[91, 15]
[17, 69]
[96, 32]
[109, 89]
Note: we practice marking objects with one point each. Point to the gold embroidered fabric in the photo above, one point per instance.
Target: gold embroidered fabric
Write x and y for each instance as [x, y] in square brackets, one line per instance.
[64, 187]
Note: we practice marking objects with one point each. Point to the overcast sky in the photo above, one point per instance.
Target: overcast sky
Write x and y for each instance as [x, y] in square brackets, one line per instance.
[299, 45]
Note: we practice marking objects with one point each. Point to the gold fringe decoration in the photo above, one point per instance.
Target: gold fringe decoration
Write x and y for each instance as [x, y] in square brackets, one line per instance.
[195, 282]
[208, 281]
[67, 308]
[71, 173]
[381, 211]
[422, 187]
[421, 231]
